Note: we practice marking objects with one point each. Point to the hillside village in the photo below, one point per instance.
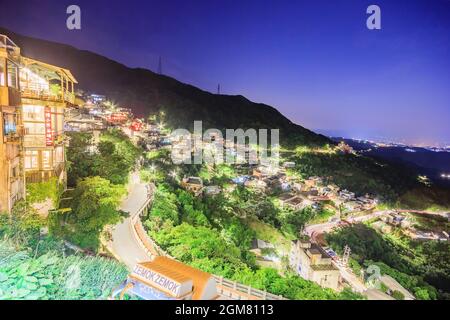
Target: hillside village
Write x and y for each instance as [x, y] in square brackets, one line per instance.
[43, 114]
[287, 191]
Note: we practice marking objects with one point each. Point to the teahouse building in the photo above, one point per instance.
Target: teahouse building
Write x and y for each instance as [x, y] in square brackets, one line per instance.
[46, 91]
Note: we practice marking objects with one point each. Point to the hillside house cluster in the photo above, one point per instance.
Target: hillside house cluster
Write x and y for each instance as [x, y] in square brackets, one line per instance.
[313, 191]
[400, 221]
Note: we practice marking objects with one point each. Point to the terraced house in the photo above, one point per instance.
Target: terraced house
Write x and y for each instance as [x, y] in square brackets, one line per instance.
[12, 186]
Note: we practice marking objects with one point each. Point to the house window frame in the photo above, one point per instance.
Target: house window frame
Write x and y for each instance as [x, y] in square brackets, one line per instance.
[9, 80]
[31, 158]
[47, 164]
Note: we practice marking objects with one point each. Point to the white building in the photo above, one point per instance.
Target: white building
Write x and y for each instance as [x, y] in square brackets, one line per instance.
[312, 263]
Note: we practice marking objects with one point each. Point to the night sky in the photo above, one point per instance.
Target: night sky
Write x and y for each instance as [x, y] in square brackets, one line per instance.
[315, 61]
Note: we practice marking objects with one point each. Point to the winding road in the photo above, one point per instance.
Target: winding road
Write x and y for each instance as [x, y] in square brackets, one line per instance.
[316, 229]
[124, 245]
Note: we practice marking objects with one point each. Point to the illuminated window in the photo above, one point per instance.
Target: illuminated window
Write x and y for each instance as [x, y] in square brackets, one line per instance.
[12, 74]
[31, 112]
[9, 123]
[59, 154]
[31, 159]
[2, 74]
[46, 159]
[34, 128]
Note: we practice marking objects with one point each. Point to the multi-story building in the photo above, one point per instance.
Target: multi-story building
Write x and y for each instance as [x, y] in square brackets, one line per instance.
[12, 186]
[311, 262]
[46, 90]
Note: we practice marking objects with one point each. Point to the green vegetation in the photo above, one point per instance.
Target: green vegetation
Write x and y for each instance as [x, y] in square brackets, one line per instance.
[112, 158]
[51, 276]
[421, 267]
[205, 248]
[94, 206]
[322, 216]
[215, 234]
[394, 185]
[356, 173]
[117, 156]
[34, 265]
[80, 157]
[99, 171]
[397, 295]
[425, 198]
[41, 191]
[269, 233]
[22, 227]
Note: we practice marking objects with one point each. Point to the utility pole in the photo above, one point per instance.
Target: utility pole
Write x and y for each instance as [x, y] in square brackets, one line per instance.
[218, 88]
[160, 65]
[346, 255]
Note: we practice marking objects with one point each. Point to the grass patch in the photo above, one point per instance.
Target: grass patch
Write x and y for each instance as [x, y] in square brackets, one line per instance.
[270, 234]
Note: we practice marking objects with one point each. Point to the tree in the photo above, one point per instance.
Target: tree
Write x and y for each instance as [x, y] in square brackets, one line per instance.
[80, 159]
[94, 206]
[397, 295]
[165, 205]
[23, 226]
[113, 158]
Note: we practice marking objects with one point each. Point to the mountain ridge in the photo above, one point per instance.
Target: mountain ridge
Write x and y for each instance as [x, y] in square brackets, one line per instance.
[146, 92]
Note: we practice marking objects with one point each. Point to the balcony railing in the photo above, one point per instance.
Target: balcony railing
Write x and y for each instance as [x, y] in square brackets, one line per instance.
[8, 44]
[33, 91]
[34, 141]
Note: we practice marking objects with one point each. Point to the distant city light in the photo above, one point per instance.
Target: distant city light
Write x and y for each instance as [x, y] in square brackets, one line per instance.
[445, 176]
[424, 179]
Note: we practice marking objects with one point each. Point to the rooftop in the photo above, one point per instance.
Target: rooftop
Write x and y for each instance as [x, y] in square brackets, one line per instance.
[194, 180]
[323, 267]
[295, 200]
[180, 272]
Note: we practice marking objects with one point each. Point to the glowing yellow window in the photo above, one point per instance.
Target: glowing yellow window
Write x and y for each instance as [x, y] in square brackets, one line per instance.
[47, 159]
[31, 159]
